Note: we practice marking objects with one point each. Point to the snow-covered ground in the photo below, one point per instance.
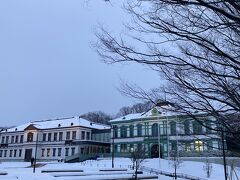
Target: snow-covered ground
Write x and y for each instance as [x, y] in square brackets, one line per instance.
[21, 170]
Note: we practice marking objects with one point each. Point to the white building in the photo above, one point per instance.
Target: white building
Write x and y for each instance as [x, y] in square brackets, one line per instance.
[66, 139]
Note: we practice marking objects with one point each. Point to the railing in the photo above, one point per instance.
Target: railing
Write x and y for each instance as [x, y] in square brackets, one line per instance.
[79, 157]
[179, 175]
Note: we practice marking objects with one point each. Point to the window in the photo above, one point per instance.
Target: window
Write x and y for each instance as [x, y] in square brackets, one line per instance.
[123, 147]
[174, 145]
[197, 127]
[208, 126]
[123, 132]
[44, 136]
[21, 139]
[48, 152]
[82, 150]
[43, 151]
[173, 127]
[49, 136]
[131, 130]
[20, 152]
[30, 137]
[10, 154]
[187, 147]
[131, 148]
[5, 153]
[83, 135]
[115, 148]
[59, 152]
[187, 127]
[88, 135]
[198, 145]
[3, 139]
[54, 152]
[16, 139]
[115, 129]
[139, 147]
[73, 150]
[209, 145]
[66, 151]
[7, 139]
[12, 139]
[155, 130]
[68, 135]
[60, 136]
[15, 153]
[55, 136]
[1, 153]
[74, 134]
[139, 130]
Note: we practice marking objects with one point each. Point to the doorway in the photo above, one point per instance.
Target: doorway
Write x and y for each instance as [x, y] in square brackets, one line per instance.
[28, 155]
[155, 151]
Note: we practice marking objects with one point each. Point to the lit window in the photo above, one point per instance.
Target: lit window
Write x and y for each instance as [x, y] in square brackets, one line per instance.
[198, 145]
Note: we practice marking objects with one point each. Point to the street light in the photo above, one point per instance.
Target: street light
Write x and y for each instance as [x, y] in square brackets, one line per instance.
[113, 136]
[35, 156]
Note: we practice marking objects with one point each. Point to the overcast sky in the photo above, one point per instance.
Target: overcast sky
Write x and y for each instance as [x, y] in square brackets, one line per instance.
[47, 67]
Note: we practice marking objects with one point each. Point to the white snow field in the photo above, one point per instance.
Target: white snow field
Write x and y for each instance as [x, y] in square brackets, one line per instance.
[91, 170]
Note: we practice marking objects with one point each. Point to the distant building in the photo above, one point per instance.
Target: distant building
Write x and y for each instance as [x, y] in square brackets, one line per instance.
[175, 133]
[64, 139]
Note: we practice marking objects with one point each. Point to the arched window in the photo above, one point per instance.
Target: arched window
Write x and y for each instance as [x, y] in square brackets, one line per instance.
[123, 132]
[173, 127]
[30, 137]
[131, 130]
[197, 127]
[186, 127]
[155, 130]
[139, 129]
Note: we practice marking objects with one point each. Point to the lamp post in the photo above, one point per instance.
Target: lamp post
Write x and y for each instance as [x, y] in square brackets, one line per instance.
[35, 156]
[113, 134]
[159, 144]
[224, 154]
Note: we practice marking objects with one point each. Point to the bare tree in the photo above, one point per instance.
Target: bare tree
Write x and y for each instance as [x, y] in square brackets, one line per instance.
[137, 157]
[97, 116]
[193, 45]
[136, 108]
[176, 162]
[207, 168]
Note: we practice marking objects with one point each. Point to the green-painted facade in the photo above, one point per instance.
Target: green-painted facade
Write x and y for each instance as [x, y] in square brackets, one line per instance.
[175, 134]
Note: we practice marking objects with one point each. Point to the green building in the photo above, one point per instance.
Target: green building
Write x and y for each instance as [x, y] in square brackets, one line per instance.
[162, 132]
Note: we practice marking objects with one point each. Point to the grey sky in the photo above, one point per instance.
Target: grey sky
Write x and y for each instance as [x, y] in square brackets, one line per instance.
[47, 67]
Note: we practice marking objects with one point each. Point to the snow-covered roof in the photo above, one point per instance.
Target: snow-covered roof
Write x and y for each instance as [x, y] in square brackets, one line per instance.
[162, 111]
[60, 123]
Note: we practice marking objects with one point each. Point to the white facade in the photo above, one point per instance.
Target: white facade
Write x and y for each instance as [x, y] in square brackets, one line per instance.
[52, 139]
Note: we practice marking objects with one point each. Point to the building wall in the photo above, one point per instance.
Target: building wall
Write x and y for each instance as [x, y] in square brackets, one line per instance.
[180, 135]
[50, 145]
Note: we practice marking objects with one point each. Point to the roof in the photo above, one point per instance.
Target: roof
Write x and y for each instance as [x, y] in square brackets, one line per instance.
[60, 123]
[162, 111]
